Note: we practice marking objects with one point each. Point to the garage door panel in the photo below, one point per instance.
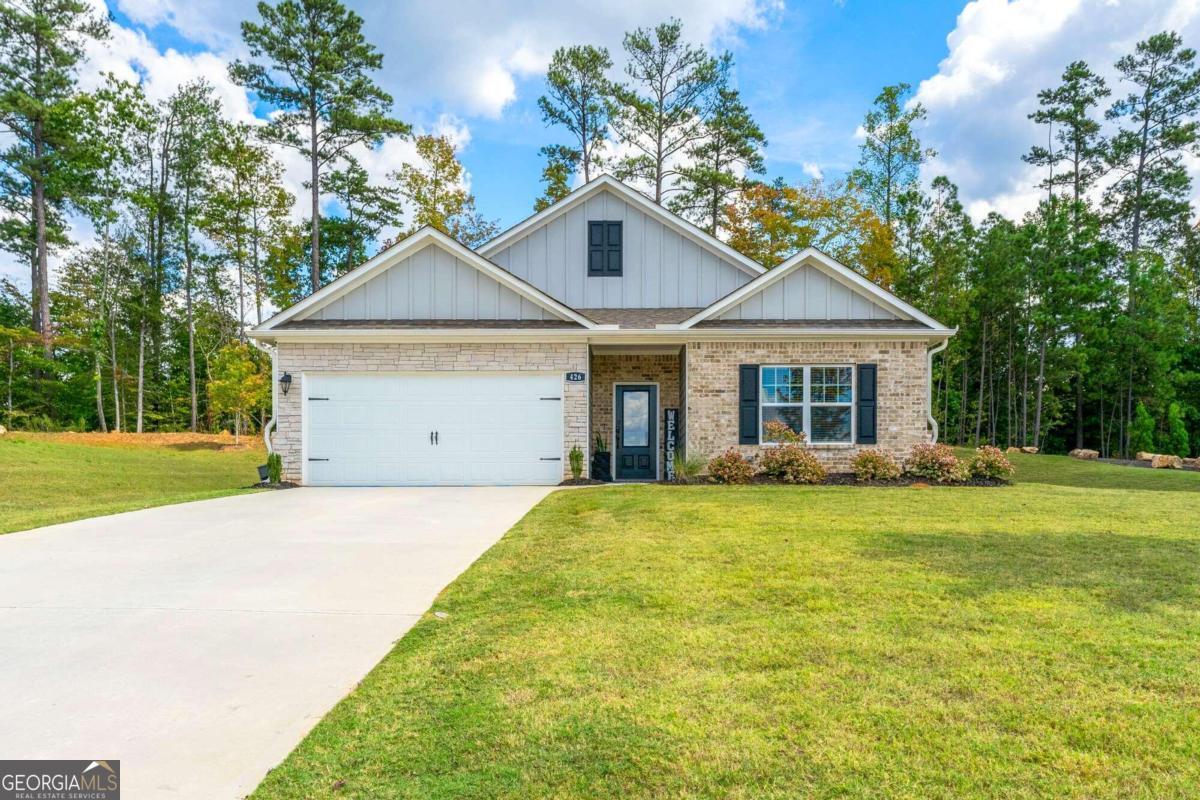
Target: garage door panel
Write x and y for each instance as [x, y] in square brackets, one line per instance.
[491, 429]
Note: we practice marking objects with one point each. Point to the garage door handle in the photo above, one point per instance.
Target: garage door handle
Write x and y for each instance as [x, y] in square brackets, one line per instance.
[318, 398]
[552, 459]
[550, 398]
[318, 459]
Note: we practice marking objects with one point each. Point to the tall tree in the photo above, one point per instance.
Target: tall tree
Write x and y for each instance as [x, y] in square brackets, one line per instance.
[318, 75]
[661, 112]
[1075, 164]
[561, 163]
[579, 97]
[41, 45]
[438, 197]
[196, 111]
[367, 209]
[891, 155]
[719, 163]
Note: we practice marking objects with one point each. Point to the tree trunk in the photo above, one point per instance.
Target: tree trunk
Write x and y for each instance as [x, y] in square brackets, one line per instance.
[112, 344]
[1041, 385]
[101, 421]
[191, 324]
[41, 289]
[982, 373]
[316, 203]
[141, 379]
[1078, 407]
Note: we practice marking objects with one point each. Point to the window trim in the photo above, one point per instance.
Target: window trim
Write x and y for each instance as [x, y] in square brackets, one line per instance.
[808, 404]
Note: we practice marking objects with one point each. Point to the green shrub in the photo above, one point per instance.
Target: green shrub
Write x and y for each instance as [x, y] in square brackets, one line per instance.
[576, 459]
[731, 467]
[688, 466]
[990, 462]
[599, 446]
[875, 465]
[935, 462]
[275, 468]
[791, 463]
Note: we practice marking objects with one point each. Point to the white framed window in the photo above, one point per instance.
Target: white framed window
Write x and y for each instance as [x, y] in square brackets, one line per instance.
[817, 401]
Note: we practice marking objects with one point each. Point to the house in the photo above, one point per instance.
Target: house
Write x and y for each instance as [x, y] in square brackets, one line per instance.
[596, 320]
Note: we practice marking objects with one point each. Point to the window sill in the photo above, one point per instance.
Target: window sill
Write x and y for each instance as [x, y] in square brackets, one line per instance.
[814, 445]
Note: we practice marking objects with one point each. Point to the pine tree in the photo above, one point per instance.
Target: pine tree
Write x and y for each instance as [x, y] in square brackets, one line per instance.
[661, 113]
[317, 72]
[718, 164]
[579, 97]
[41, 47]
[891, 154]
[561, 163]
[366, 210]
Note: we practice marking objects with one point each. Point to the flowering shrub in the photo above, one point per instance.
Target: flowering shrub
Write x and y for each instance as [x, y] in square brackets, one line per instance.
[792, 463]
[875, 465]
[782, 433]
[935, 462]
[731, 467]
[989, 462]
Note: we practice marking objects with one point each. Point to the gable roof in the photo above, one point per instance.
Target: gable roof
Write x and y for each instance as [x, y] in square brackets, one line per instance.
[635, 198]
[395, 254]
[834, 269]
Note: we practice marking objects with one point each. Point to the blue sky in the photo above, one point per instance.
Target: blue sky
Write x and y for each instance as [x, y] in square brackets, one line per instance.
[473, 69]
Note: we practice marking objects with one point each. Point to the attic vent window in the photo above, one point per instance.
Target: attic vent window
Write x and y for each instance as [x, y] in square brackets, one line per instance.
[604, 248]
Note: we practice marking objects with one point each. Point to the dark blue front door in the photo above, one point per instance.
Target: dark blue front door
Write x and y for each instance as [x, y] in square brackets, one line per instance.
[636, 456]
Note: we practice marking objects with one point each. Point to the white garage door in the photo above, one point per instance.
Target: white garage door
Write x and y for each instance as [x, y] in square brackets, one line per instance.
[451, 429]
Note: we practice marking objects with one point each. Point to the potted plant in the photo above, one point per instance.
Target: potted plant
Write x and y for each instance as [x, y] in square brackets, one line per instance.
[601, 460]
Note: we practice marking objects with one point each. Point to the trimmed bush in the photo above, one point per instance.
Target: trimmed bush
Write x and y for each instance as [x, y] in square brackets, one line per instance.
[935, 462]
[875, 465]
[275, 468]
[731, 467]
[990, 462]
[791, 463]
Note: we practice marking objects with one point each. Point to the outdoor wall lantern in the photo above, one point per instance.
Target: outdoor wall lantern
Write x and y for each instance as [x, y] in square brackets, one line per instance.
[285, 382]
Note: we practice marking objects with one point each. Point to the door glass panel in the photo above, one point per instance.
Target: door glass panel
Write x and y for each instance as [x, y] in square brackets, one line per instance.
[635, 415]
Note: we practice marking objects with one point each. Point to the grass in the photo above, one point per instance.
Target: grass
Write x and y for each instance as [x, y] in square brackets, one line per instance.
[49, 478]
[1038, 640]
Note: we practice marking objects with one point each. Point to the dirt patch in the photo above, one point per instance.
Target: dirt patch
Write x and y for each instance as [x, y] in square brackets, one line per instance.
[1143, 463]
[173, 441]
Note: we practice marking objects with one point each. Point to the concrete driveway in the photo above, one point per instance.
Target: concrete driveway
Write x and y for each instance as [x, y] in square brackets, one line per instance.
[198, 643]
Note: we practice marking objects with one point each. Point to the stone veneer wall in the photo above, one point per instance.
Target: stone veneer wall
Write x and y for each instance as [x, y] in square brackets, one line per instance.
[712, 388]
[474, 357]
[609, 369]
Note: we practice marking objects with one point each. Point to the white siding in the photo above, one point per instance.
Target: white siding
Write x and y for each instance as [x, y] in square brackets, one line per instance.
[808, 293]
[432, 283]
[661, 268]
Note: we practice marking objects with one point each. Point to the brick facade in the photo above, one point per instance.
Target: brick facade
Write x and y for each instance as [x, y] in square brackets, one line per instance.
[482, 357]
[712, 389]
[609, 369]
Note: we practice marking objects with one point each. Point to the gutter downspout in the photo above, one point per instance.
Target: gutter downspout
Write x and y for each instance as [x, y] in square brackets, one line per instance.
[270, 426]
[929, 404]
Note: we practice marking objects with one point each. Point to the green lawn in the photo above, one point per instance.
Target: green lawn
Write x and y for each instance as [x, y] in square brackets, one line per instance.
[1039, 640]
[46, 479]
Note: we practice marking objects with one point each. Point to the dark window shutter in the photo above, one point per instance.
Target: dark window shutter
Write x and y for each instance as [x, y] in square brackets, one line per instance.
[866, 404]
[748, 404]
[613, 243]
[596, 249]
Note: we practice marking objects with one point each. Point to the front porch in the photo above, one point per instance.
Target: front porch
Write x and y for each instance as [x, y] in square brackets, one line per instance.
[636, 385]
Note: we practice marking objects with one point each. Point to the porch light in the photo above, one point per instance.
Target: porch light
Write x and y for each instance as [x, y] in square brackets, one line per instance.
[285, 382]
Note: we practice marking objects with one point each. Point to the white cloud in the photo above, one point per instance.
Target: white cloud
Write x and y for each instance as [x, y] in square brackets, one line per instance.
[813, 170]
[470, 55]
[1001, 54]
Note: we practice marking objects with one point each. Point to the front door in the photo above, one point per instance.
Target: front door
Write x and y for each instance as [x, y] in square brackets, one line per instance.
[637, 436]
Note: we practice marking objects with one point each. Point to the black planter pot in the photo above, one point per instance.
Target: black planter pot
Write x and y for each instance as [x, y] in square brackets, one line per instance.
[602, 466]
[264, 472]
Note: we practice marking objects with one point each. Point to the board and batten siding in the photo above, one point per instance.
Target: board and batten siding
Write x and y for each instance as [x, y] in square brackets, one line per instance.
[432, 283]
[661, 267]
[808, 293]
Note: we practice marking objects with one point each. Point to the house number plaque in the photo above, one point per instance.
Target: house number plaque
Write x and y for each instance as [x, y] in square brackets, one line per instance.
[575, 377]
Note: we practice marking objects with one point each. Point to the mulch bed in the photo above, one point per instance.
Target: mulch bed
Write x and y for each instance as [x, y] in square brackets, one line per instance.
[581, 482]
[1132, 462]
[269, 485]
